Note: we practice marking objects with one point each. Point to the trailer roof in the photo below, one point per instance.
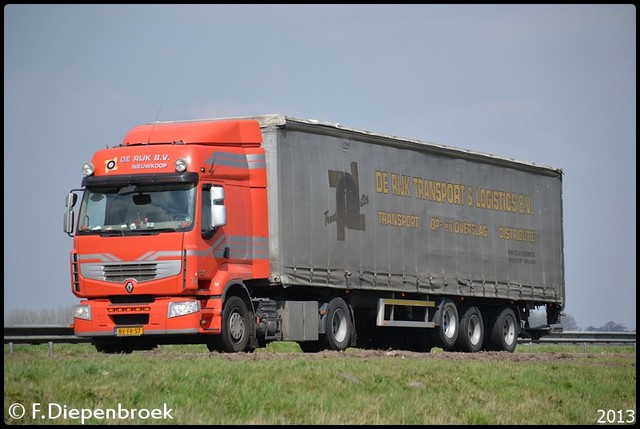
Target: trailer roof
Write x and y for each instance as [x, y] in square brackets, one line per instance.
[336, 129]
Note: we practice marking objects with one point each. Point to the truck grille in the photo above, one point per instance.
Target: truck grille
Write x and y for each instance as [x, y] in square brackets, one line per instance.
[139, 271]
[131, 319]
[132, 299]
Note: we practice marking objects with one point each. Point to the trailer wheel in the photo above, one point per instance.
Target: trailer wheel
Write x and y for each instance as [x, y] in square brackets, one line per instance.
[338, 326]
[446, 334]
[471, 334]
[235, 325]
[504, 331]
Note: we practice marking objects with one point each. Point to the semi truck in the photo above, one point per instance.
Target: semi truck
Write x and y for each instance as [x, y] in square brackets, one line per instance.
[237, 232]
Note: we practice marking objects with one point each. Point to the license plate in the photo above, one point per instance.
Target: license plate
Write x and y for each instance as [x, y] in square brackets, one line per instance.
[129, 332]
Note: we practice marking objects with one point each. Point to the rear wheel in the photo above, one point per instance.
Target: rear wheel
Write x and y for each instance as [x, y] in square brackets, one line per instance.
[471, 334]
[504, 331]
[446, 334]
[235, 326]
[339, 326]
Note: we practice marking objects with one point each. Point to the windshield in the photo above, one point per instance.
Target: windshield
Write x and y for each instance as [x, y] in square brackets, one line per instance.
[158, 207]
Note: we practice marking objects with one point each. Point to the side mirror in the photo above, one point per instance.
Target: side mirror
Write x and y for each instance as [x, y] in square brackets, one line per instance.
[71, 200]
[218, 210]
[69, 203]
[68, 222]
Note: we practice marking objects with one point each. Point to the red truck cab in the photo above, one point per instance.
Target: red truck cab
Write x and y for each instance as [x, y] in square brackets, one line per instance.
[170, 222]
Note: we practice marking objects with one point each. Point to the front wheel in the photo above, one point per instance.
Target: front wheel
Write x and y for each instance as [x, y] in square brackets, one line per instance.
[235, 325]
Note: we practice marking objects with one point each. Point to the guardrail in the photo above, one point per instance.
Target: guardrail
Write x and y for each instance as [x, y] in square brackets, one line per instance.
[585, 338]
[52, 334]
[41, 334]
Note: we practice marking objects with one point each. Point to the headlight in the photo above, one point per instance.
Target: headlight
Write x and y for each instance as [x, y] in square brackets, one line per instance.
[181, 165]
[82, 312]
[87, 169]
[182, 308]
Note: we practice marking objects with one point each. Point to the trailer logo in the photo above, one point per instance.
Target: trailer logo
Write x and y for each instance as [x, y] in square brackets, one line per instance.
[348, 201]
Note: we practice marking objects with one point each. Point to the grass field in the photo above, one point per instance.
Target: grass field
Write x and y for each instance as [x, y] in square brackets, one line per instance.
[280, 385]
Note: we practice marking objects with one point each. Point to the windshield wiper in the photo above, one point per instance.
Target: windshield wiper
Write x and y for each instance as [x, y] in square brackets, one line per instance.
[163, 230]
[112, 233]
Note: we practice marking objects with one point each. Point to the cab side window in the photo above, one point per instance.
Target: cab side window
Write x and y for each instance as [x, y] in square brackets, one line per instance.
[205, 208]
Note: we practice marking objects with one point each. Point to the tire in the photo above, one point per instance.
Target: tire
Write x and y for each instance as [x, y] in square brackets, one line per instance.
[471, 334]
[235, 326]
[504, 332]
[446, 334]
[339, 326]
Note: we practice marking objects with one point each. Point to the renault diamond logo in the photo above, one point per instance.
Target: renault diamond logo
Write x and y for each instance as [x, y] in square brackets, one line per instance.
[129, 287]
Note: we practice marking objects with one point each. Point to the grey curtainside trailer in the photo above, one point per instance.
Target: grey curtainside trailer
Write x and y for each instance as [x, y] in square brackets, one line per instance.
[236, 232]
[412, 226]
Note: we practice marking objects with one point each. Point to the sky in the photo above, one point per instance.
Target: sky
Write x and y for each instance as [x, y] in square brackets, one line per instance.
[548, 84]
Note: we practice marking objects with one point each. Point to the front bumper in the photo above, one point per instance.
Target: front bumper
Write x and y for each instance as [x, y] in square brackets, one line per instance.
[144, 319]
